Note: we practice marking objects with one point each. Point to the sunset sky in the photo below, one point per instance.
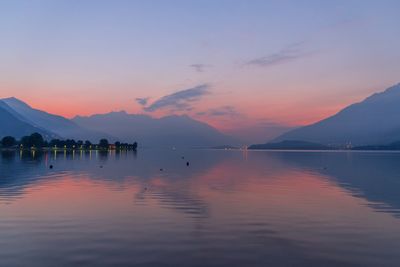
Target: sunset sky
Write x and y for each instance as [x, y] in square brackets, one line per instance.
[230, 63]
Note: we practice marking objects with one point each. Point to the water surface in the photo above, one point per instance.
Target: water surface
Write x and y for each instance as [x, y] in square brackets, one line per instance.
[227, 208]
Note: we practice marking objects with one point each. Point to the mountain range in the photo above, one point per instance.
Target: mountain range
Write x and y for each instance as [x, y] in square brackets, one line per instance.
[375, 120]
[12, 123]
[18, 119]
[169, 131]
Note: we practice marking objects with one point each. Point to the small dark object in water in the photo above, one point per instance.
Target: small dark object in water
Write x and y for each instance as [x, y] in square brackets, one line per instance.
[161, 169]
[51, 166]
[101, 166]
[187, 163]
[145, 188]
[183, 157]
[325, 168]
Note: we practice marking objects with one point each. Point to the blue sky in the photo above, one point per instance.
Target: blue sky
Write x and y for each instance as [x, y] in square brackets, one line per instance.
[286, 62]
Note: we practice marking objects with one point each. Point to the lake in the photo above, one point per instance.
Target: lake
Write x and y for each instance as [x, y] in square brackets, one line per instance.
[227, 208]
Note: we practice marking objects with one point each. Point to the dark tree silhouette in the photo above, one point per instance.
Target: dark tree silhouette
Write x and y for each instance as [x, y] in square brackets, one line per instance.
[34, 140]
[79, 144]
[70, 143]
[8, 141]
[117, 145]
[103, 144]
[56, 143]
[87, 144]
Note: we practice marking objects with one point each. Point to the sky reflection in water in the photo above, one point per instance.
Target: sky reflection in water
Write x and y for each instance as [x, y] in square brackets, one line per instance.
[228, 208]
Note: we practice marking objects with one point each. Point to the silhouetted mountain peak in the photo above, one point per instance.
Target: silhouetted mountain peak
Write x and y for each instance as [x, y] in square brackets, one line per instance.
[43, 122]
[14, 101]
[121, 112]
[375, 120]
[113, 114]
[388, 94]
[167, 131]
[177, 117]
[12, 98]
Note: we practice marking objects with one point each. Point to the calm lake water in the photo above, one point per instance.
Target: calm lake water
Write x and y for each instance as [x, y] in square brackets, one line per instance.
[227, 208]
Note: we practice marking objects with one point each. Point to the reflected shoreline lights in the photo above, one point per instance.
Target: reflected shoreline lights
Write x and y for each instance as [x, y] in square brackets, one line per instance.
[258, 203]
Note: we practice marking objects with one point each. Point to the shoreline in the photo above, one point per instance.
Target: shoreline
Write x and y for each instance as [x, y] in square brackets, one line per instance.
[62, 149]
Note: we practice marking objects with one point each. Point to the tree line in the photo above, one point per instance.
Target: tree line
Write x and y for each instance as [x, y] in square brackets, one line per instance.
[36, 141]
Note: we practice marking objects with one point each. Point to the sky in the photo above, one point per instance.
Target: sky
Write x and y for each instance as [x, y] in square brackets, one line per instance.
[239, 65]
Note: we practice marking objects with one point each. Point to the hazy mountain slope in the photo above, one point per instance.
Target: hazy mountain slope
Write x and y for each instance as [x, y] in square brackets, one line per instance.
[11, 125]
[258, 132]
[285, 145]
[376, 120]
[58, 125]
[178, 131]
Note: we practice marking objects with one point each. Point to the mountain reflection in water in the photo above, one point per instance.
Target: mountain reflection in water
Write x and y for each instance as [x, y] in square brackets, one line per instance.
[228, 208]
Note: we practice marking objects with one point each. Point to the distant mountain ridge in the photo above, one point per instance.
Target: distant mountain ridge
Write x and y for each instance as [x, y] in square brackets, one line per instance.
[20, 119]
[13, 124]
[169, 131]
[376, 120]
[287, 145]
[391, 146]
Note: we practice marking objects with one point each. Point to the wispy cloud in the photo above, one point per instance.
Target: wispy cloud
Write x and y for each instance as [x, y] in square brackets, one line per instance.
[225, 111]
[180, 101]
[199, 67]
[287, 54]
[142, 101]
